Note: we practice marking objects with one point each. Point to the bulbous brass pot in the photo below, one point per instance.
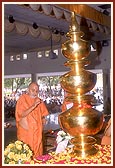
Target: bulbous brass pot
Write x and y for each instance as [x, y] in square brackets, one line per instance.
[76, 49]
[82, 124]
[77, 121]
[78, 82]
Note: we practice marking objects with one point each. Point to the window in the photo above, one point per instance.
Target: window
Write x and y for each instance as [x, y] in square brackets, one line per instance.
[25, 56]
[47, 53]
[17, 57]
[56, 51]
[11, 58]
[39, 54]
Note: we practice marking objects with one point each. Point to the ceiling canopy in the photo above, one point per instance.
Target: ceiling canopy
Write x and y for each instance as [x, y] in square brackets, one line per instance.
[28, 27]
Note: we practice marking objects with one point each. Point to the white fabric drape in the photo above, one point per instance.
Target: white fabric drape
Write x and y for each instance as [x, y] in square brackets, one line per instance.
[46, 9]
[46, 34]
[21, 28]
[56, 37]
[34, 32]
[67, 16]
[59, 13]
[35, 6]
[8, 27]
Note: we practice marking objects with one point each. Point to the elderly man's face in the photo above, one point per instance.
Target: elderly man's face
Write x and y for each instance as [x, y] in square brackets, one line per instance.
[33, 91]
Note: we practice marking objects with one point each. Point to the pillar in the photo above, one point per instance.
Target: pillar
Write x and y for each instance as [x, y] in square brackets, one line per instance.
[33, 77]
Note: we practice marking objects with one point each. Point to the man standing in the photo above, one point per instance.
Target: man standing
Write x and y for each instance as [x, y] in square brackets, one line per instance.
[30, 116]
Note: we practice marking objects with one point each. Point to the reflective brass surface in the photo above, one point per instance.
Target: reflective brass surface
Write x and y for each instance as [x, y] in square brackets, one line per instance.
[81, 121]
[74, 51]
[75, 48]
[84, 120]
[88, 99]
[85, 146]
[78, 82]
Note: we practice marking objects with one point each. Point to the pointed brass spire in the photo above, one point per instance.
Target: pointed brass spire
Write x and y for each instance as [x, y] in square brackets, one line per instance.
[74, 26]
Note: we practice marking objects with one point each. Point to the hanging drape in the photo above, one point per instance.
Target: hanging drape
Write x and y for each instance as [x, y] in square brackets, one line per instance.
[23, 29]
[53, 11]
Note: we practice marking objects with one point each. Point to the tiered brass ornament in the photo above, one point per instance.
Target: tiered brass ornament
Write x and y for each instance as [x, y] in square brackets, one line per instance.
[81, 121]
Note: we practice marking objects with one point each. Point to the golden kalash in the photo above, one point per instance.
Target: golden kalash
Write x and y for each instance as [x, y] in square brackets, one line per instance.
[81, 121]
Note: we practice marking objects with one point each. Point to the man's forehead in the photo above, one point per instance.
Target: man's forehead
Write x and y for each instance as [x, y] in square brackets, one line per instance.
[33, 86]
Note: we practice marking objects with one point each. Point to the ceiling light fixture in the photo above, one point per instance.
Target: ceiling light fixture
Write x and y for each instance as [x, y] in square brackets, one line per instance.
[35, 26]
[62, 33]
[105, 43]
[55, 31]
[11, 19]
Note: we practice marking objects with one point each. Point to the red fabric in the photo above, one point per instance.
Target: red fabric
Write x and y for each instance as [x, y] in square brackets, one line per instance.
[32, 136]
[103, 156]
[64, 105]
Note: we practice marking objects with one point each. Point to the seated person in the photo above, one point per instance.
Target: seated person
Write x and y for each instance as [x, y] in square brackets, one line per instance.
[106, 139]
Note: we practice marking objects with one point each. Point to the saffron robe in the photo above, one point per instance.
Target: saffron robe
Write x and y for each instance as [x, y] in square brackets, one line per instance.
[106, 139]
[33, 135]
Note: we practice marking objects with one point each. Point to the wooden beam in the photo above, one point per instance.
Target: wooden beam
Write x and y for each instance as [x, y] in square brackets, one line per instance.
[88, 12]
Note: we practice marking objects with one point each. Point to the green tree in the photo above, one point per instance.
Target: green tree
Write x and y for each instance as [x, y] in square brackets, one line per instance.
[8, 82]
[16, 83]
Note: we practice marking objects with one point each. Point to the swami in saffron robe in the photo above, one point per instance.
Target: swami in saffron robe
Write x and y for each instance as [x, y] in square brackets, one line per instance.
[33, 135]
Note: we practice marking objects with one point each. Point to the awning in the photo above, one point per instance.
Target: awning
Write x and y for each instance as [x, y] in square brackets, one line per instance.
[62, 11]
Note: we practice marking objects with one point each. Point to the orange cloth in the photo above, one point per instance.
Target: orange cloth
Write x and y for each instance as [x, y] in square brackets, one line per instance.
[106, 140]
[65, 105]
[32, 136]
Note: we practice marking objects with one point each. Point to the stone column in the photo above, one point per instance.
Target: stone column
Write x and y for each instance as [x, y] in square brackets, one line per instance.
[33, 77]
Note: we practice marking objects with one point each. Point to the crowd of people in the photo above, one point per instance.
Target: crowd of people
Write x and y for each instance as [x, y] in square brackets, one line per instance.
[54, 106]
[53, 99]
[9, 106]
